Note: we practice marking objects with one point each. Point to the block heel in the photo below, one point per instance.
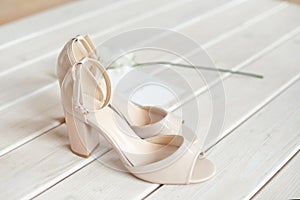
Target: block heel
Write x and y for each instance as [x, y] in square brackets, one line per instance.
[84, 139]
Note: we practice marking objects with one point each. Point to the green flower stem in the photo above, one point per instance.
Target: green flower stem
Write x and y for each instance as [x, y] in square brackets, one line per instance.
[200, 67]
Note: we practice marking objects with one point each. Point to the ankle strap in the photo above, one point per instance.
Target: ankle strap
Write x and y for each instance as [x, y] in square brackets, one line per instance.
[88, 45]
[77, 89]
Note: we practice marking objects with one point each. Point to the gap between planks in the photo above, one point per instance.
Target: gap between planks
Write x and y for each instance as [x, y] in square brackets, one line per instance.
[238, 138]
[279, 175]
[113, 28]
[235, 84]
[206, 45]
[42, 89]
[248, 61]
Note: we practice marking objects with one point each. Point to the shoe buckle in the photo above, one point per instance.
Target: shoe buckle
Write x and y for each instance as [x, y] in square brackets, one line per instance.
[82, 109]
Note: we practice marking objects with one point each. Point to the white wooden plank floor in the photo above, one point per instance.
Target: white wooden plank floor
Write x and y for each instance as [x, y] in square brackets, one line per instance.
[289, 175]
[257, 155]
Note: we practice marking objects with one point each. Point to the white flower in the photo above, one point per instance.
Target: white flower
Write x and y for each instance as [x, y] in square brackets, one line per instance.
[127, 60]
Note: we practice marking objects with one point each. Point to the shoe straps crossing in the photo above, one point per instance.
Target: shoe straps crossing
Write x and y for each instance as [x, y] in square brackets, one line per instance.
[88, 46]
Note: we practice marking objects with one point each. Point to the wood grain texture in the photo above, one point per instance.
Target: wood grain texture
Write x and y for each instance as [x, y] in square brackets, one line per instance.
[128, 17]
[32, 73]
[37, 186]
[39, 164]
[285, 22]
[45, 65]
[235, 92]
[238, 34]
[99, 181]
[30, 118]
[285, 184]
[39, 75]
[251, 155]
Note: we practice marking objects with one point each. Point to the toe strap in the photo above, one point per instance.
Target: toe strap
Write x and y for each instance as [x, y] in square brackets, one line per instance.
[188, 167]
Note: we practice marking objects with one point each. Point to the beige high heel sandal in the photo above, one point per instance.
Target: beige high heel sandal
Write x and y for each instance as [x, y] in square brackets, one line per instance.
[166, 159]
[146, 121]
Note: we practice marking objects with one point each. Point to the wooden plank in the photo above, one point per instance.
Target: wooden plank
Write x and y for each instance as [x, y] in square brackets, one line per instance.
[104, 182]
[30, 118]
[280, 78]
[22, 139]
[52, 178]
[285, 184]
[44, 22]
[226, 22]
[43, 187]
[34, 71]
[233, 89]
[49, 44]
[262, 29]
[196, 82]
[252, 154]
[45, 165]
[34, 75]
[207, 30]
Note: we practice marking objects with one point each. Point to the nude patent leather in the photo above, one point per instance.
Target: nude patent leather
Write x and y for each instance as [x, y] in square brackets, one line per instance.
[164, 159]
[146, 121]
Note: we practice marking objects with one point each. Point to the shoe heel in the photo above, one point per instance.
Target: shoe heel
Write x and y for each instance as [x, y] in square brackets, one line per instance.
[83, 138]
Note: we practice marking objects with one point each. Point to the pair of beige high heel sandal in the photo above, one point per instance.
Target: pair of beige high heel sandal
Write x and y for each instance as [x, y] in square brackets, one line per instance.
[152, 143]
